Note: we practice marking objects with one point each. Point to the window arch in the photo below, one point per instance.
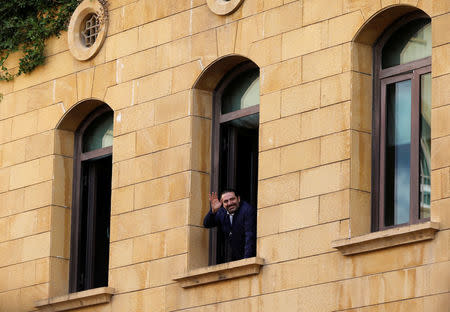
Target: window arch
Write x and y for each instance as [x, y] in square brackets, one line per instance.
[235, 127]
[402, 123]
[91, 201]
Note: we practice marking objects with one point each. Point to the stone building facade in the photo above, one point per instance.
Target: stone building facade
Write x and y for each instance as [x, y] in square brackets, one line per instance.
[158, 66]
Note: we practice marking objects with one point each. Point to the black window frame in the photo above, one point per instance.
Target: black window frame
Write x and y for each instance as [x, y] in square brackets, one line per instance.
[382, 77]
[218, 119]
[82, 238]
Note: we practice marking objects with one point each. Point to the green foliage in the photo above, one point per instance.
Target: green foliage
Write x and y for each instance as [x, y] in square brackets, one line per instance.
[25, 25]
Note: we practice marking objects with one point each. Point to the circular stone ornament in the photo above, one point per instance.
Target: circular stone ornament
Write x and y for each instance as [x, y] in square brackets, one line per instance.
[85, 40]
[223, 7]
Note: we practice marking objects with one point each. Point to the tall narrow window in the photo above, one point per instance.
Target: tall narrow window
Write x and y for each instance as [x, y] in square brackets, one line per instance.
[235, 141]
[91, 201]
[402, 141]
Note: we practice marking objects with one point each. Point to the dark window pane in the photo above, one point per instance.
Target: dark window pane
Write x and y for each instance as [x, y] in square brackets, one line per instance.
[411, 42]
[99, 134]
[242, 92]
[398, 147]
[425, 144]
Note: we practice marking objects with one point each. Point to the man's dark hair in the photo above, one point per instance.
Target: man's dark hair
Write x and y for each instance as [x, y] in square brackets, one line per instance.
[229, 190]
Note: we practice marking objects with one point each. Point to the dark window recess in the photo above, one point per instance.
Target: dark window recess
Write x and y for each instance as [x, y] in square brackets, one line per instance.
[89, 259]
[235, 143]
[402, 124]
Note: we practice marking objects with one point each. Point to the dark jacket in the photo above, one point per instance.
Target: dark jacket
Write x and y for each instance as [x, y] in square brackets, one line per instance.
[241, 235]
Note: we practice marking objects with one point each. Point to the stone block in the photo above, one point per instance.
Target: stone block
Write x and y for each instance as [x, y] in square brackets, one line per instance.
[24, 125]
[367, 8]
[64, 90]
[48, 117]
[440, 7]
[31, 172]
[154, 86]
[172, 107]
[173, 53]
[440, 213]
[335, 89]
[361, 161]
[29, 223]
[268, 221]
[200, 188]
[170, 161]
[155, 33]
[439, 152]
[5, 179]
[334, 206]
[13, 153]
[269, 247]
[272, 48]
[114, 47]
[300, 156]
[360, 213]
[325, 179]
[184, 76]
[154, 10]
[298, 214]
[362, 58]
[132, 15]
[323, 63]
[122, 95]
[5, 130]
[304, 40]
[202, 102]
[269, 164]
[439, 120]
[203, 19]
[202, 47]
[440, 57]
[335, 147]
[279, 190]
[361, 102]
[226, 38]
[62, 181]
[440, 34]
[35, 196]
[43, 144]
[60, 233]
[440, 91]
[198, 247]
[300, 98]
[134, 118]
[152, 139]
[314, 11]
[317, 239]
[59, 277]
[436, 186]
[282, 75]
[279, 132]
[35, 247]
[150, 299]
[124, 146]
[85, 80]
[122, 200]
[121, 253]
[282, 19]
[270, 107]
[104, 76]
[343, 28]
[162, 190]
[249, 30]
[201, 142]
[126, 171]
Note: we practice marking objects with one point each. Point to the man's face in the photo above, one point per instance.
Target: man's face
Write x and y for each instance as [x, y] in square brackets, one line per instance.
[230, 202]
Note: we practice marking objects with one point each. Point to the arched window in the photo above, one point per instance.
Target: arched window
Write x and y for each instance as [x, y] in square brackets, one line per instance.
[91, 201]
[402, 124]
[235, 141]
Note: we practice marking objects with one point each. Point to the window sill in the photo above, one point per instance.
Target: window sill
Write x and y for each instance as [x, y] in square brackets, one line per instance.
[76, 300]
[220, 272]
[388, 238]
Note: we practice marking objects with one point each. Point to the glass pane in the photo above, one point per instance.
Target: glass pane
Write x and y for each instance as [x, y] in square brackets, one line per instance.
[411, 42]
[425, 145]
[99, 134]
[242, 92]
[398, 146]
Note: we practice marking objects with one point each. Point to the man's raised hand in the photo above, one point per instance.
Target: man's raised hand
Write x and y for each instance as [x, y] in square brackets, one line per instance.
[215, 203]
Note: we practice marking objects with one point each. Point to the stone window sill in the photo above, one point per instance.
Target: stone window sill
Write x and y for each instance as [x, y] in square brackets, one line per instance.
[76, 300]
[220, 272]
[387, 238]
